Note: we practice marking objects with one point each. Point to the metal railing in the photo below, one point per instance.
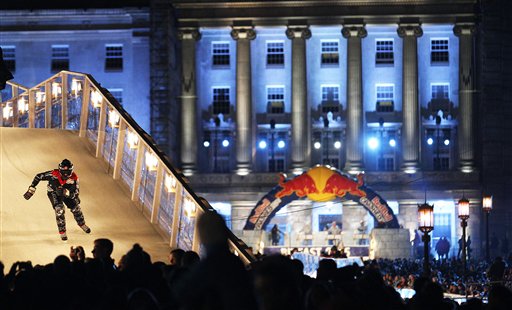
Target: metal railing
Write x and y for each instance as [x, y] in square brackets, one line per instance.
[75, 101]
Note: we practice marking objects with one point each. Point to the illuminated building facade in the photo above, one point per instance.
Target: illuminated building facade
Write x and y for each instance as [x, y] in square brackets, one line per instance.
[391, 88]
[410, 92]
[111, 44]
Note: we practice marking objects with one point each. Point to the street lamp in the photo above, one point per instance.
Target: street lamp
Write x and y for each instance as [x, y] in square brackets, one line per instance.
[326, 132]
[464, 216]
[437, 165]
[215, 142]
[487, 207]
[426, 225]
[273, 167]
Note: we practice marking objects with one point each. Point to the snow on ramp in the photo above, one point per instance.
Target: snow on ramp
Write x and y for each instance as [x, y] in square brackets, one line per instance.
[28, 230]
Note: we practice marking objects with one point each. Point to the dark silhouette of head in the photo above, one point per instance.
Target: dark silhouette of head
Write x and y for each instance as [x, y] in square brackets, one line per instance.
[102, 248]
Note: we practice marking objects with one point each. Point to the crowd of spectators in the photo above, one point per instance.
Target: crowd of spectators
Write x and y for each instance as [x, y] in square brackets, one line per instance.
[449, 274]
[219, 280]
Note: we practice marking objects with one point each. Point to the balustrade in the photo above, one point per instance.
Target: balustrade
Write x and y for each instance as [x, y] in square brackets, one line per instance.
[76, 102]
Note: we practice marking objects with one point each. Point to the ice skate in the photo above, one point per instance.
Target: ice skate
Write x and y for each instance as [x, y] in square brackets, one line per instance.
[85, 228]
[63, 236]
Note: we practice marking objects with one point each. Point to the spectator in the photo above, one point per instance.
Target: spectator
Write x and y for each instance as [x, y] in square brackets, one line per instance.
[468, 247]
[77, 254]
[275, 234]
[494, 244]
[439, 248]
[496, 270]
[460, 247]
[102, 251]
[504, 245]
[175, 257]
[500, 298]
[189, 259]
[220, 281]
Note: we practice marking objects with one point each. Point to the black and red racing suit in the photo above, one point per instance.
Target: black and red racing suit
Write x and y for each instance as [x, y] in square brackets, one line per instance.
[62, 191]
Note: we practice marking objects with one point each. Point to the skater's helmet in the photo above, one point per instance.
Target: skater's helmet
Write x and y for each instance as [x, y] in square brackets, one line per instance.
[66, 168]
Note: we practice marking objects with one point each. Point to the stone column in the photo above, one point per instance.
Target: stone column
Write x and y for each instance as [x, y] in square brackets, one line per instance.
[189, 115]
[355, 126]
[466, 95]
[410, 108]
[301, 146]
[245, 148]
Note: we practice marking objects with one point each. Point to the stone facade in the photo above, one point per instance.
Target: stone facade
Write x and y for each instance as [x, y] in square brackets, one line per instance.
[390, 243]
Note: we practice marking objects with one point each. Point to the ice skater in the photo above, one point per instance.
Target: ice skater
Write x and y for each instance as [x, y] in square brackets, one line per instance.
[63, 189]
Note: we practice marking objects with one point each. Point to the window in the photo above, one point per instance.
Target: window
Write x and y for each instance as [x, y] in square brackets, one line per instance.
[221, 100]
[385, 97]
[9, 52]
[384, 52]
[442, 224]
[330, 93]
[330, 52]
[386, 164]
[440, 91]
[220, 53]
[330, 98]
[394, 206]
[275, 53]
[275, 99]
[276, 165]
[117, 93]
[113, 57]
[325, 221]
[439, 50]
[441, 163]
[60, 58]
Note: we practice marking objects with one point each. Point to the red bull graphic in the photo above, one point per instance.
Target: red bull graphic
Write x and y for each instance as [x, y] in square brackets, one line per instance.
[301, 185]
[320, 183]
[340, 185]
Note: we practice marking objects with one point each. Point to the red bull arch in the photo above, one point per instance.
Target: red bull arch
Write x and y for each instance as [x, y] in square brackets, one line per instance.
[321, 184]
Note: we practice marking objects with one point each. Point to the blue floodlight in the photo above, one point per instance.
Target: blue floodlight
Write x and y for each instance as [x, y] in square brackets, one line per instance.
[373, 143]
[225, 143]
[337, 144]
[392, 142]
[281, 144]
[206, 143]
[317, 145]
[446, 142]
[262, 145]
[430, 141]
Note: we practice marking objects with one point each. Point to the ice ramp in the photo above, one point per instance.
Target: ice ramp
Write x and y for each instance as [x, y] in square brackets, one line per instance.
[130, 192]
[28, 229]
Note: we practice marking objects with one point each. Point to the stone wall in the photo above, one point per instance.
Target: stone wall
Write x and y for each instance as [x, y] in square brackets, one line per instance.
[390, 243]
[253, 238]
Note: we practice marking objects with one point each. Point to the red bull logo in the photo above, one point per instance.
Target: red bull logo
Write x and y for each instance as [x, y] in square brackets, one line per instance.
[301, 185]
[340, 185]
[321, 184]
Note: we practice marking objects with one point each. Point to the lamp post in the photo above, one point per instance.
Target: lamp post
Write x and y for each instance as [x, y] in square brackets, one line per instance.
[326, 134]
[437, 165]
[215, 142]
[272, 148]
[426, 225]
[380, 161]
[487, 207]
[464, 216]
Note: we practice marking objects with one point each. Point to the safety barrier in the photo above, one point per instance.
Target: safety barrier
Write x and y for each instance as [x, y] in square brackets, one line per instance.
[76, 101]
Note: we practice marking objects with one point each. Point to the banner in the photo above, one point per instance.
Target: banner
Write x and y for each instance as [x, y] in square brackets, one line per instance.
[320, 183]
